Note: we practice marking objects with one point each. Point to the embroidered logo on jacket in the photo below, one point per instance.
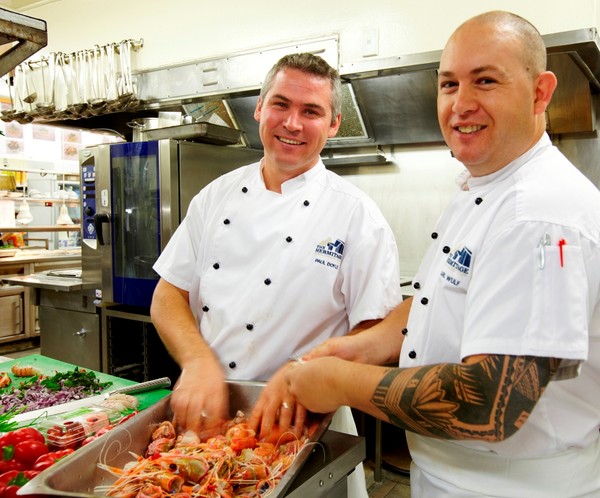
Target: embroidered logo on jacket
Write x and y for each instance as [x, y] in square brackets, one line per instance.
[329, 253]
[460, 261]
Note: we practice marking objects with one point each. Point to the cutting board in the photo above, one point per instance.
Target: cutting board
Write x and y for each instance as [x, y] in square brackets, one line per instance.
[48, 366]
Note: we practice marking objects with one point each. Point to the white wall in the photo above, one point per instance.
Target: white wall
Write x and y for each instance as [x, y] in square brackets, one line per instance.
[183, 30]
[420, 181]
[411, 191]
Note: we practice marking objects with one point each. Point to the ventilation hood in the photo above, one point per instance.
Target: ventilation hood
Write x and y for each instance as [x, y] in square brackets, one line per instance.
[386, 101]
[396, 97]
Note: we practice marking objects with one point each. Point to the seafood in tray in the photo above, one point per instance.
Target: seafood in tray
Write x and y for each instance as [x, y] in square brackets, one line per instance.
[233, 463]
[146, 455]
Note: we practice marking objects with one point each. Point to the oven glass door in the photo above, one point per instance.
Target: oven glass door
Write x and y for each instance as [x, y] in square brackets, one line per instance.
[135, 221]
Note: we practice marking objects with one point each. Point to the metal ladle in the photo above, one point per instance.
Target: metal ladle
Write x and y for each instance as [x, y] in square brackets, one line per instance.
[127, 86]
[20, 114]
[8, 114]
[79, 101]
[115, 103]
[31, 96]
[98, 102]
[46, 108]
[62, 88]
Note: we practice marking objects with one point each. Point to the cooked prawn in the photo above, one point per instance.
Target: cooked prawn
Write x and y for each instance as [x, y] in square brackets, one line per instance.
[234, 464]
[4, 379]
[24, 370]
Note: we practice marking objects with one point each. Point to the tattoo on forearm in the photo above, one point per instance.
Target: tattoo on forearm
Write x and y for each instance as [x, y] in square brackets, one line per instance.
[489, 400]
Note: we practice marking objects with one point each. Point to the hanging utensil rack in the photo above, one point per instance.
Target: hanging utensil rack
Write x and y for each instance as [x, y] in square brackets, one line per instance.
[75, 85]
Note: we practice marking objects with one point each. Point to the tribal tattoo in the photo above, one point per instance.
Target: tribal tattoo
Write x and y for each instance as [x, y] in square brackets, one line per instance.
[489, 400]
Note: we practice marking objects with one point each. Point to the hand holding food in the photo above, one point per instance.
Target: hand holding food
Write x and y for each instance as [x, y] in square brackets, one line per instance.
[200, 399]
[276, 407]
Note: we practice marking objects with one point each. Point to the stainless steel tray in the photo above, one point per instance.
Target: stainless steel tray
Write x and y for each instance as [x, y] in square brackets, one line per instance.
[196, 132]
[79, 474]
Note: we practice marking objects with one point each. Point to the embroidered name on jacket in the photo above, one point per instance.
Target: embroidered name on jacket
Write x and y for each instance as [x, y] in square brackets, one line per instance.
[330, 253]
[459, 261]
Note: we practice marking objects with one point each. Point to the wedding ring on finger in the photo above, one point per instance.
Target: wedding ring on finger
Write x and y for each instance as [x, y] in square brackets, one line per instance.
[297, 358]
[286, 406]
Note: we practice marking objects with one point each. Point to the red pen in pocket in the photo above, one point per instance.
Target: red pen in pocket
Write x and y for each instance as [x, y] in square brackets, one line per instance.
[561, 243]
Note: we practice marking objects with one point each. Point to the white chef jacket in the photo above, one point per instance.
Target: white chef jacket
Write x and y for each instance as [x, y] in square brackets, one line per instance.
[271, 275]
[494, 282]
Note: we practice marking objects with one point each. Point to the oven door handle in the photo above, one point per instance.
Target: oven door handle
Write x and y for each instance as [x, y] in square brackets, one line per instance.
[99, 219]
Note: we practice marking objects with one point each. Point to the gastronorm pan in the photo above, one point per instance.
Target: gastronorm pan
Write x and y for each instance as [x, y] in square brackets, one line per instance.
[79, 474]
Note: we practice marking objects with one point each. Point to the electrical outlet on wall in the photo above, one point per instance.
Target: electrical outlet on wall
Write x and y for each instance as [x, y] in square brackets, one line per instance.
[370, 42]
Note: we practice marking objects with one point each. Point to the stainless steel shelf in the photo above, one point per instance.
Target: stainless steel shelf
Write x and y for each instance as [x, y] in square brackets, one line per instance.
[47, 228]
[29, 33]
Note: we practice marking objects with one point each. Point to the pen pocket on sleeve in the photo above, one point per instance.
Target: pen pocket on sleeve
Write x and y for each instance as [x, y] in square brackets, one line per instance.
[558, 321]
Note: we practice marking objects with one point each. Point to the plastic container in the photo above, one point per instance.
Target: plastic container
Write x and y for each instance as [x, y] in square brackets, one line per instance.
[68, 430]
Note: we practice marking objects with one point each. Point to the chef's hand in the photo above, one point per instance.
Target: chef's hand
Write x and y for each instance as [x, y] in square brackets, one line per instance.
[347, 347]
[200, 398]
[276, 411]
[312, 384]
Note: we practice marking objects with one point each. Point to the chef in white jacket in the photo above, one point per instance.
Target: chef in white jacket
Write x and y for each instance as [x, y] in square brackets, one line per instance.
[499, 370]
[272, 259]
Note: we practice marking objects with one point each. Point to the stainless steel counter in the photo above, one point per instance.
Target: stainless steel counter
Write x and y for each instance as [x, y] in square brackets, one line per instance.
[41, 255]
[16, 269]
[57, 280]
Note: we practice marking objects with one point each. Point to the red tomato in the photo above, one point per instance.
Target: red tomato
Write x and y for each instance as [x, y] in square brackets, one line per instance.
[104, 430]
[88, 440]
[48, 459]
[29, 451]
[55, 430]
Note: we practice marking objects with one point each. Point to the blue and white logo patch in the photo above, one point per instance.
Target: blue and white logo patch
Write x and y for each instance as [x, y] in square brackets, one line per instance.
[330, 253]
[459, 264]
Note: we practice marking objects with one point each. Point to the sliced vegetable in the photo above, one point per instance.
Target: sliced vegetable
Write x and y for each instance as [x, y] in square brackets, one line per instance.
[86, 379]
[7, 422]
[59, 388]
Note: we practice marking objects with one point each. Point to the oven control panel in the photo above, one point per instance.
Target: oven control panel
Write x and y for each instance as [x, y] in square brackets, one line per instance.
[88, 193]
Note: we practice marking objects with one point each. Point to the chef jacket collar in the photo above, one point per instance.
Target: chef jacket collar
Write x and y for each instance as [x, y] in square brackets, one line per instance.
[466, 182]
[298, 181]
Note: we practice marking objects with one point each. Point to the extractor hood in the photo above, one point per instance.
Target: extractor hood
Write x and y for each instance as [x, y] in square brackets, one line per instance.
[396, 97]
[388, 101]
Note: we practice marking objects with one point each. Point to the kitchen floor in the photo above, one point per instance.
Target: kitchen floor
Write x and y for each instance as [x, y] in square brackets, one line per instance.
[392, 485]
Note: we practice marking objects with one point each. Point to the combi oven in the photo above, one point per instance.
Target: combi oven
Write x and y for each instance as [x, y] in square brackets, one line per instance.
[134, 196]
